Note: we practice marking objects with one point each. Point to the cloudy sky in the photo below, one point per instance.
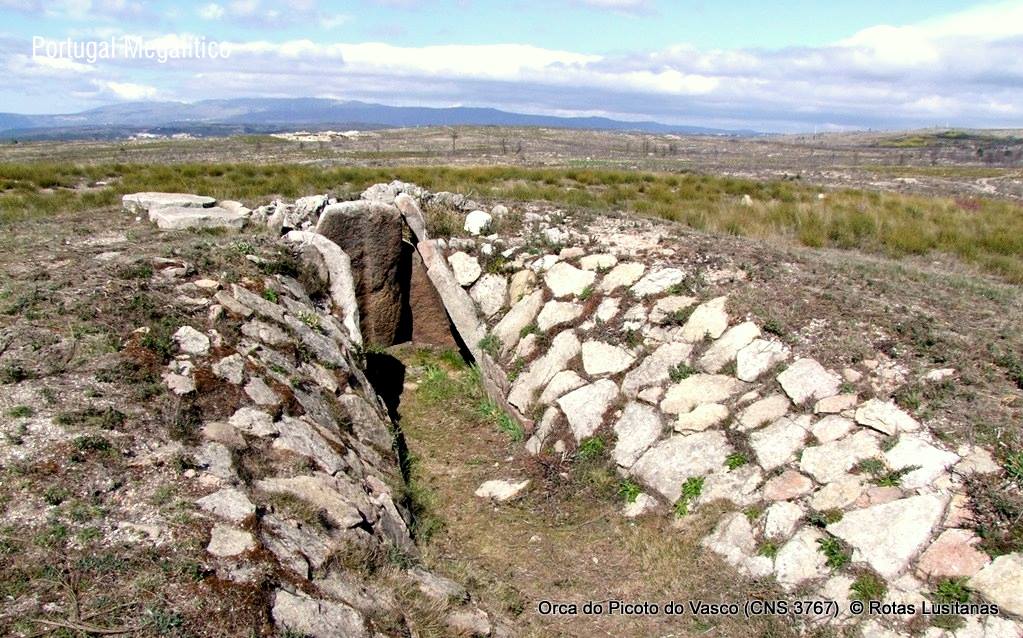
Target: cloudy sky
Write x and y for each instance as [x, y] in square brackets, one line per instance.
[787, 65]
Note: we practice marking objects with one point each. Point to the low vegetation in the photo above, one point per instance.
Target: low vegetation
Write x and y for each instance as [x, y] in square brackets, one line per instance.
[836, 553]
[691, 490]
[986, 232]
[868, 586]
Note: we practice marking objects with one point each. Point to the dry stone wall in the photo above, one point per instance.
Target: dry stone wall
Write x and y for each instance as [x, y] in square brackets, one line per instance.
[297, 454]
[594, 328]
[588, 328]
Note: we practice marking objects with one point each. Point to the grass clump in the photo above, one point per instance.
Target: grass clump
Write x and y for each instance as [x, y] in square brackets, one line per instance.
[592, 448]
[55, 495]
[14, 372]
[16, 436]
[491, 344]
[631, 339]
[996, 504]
[736, 460]
[868, 586]
[491, 412]
[139, 270]
[691, 491]
[952, 590]
[516, 368]
[629, 490]
[768, 549]
[20, 412]
[92, 443]
[835, 551]
[420, 501]
[881, 475]
[1014, 466]
[753, 512]
[681, 371]
[530, 330]
[105, 418]
[824, 518]
[437, 386]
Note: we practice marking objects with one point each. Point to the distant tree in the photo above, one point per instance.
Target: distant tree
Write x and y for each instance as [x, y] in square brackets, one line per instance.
[504, 146]
[454, 138]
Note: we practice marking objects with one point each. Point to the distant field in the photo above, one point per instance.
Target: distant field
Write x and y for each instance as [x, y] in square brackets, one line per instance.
[985, 232]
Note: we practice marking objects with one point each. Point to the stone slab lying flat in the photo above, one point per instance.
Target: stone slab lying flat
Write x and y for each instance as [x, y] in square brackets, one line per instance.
[144, 202]
[181, 217]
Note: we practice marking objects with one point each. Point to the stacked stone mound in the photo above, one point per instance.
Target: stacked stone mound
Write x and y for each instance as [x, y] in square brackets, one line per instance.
[585, 330]
[599, 329]
[300, 469]
[177, 211]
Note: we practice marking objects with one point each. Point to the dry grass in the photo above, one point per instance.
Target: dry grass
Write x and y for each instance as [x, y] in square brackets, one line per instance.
[985, 232]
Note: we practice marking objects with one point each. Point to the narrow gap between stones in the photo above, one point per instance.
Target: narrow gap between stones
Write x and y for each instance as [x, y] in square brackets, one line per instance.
[422, 321]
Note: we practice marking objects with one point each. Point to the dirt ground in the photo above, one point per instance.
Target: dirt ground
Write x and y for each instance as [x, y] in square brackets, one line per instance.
[566, 542]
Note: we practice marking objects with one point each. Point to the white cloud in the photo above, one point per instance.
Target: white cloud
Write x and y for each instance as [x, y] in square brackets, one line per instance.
[212, 11]
[128, 90]
[965, 68]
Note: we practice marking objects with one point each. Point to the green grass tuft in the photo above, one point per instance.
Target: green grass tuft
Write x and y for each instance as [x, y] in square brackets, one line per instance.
[736, 460]
[691, 491]
[868, 586]
[835, 551]
[491, 344]
[629, 490]
[592, 448]
[681, 371]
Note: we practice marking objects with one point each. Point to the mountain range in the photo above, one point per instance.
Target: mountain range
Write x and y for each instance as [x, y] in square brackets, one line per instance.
[268, 115]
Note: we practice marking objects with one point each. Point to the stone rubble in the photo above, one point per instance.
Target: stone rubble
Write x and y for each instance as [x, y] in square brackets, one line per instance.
[290, 410]
[611, 339]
